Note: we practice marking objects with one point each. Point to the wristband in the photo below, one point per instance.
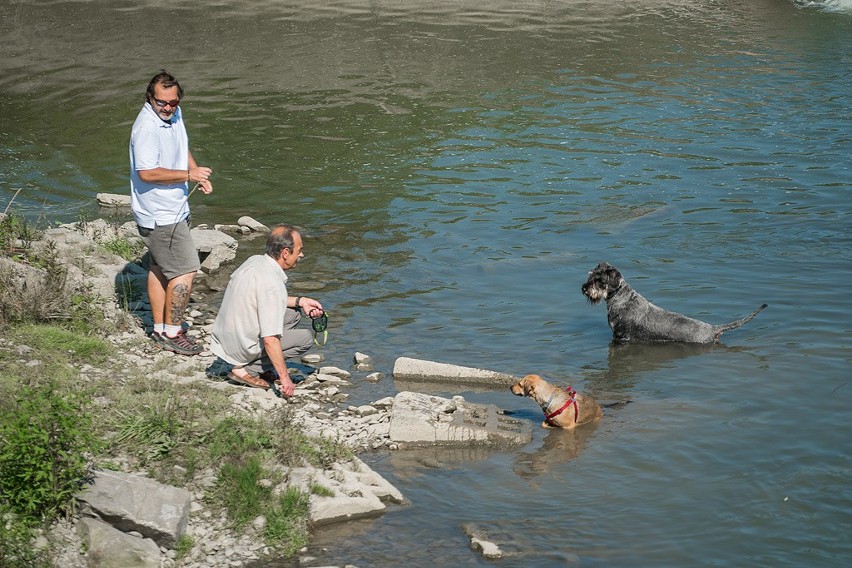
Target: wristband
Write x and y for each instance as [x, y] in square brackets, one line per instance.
[298, 299]
[187, 176]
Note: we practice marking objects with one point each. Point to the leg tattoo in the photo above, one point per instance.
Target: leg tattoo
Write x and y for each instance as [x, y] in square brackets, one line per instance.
[180, 299]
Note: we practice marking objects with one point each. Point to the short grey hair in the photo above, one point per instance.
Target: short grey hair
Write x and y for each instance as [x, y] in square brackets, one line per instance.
[280, 238]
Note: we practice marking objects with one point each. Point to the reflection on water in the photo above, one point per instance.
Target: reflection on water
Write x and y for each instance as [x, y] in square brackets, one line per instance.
[457, 167]
[628, 362]
[559, 446]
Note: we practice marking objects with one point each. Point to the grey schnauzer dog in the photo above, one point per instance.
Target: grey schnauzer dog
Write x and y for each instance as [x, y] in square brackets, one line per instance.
[633, 318]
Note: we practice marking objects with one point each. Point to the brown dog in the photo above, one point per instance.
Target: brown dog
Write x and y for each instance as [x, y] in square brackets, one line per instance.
[563, 408]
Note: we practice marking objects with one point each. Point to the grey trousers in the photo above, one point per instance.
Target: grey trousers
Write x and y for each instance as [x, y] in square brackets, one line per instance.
[294, 342]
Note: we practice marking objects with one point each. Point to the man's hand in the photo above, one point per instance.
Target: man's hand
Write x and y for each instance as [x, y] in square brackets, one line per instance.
[310, 307]
[201, 176]
[272, 347]
[286, 386]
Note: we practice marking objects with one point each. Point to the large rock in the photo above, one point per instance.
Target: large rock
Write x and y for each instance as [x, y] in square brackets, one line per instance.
[415, 370]
[90, 267]
[253, 224]
[419, 419]
[214, 248]
[356, 492]
[134, 503]
[107, 547]
[113, 199]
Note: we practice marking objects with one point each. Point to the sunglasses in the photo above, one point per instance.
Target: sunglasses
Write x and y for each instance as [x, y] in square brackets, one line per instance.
[173, 103]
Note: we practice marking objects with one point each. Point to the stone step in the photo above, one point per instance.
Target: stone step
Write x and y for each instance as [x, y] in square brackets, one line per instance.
[406, 370]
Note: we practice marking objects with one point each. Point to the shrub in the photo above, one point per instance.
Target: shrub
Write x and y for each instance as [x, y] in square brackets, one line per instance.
[32, 294]
[16, 549]
[45, 437]
[33, 283]
[16, 236]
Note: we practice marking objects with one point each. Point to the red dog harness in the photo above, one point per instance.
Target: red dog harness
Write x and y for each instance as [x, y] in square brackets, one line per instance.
[571, 400]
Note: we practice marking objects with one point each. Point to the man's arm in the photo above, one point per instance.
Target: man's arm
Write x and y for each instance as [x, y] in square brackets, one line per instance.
[199, 174]
[308, 305]
[272, 346]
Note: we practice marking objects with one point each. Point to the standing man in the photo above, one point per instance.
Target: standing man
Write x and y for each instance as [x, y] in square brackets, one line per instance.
[256, 325]
[161, 168]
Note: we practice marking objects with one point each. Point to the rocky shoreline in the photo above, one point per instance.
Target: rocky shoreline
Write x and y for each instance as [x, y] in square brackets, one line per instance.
[105, 521]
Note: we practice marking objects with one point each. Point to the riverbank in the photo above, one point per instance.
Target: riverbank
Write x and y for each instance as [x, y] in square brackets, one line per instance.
[340, 488]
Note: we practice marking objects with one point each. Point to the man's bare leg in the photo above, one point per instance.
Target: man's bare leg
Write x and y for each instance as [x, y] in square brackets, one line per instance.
[177, 298]
[157, 284]
[175, 301]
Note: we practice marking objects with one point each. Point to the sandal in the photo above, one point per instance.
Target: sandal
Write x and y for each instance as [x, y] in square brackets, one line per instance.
[248, 381]
[271, 379]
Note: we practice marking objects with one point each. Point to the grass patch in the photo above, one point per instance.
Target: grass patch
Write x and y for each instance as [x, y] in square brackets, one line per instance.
[58, 342]
[245, 491]
[123, 247]
[286, 522]
[31, 294]
[240, 492]
[321, 490]
[184, 546]
[174, 431]
[162, 425]
[33, 283]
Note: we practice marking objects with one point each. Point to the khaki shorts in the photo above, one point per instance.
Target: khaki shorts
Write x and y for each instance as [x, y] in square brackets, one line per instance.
[171, 248]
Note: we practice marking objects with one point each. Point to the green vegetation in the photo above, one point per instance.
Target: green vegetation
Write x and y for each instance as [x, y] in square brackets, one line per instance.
[33, 283]
[47, 436]
[16, 549]
[321, 490]
[16, 237]
[286, 521]
[184, 546]
[123, 247]
[57, 424]
[64, 343]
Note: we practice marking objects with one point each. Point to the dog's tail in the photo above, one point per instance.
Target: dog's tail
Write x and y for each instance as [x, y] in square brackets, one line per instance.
[740, 322]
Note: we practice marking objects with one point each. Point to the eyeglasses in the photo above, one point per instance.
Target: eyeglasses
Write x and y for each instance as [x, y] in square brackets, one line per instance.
[173, 103]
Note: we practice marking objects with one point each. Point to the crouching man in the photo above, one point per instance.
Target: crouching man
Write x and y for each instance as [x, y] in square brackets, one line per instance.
[255, 329]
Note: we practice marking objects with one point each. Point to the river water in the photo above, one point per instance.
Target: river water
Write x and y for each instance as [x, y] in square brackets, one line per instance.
[458, 167]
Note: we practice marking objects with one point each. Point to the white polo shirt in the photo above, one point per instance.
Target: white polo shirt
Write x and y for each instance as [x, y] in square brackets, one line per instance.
[252, 308]
[158, 144]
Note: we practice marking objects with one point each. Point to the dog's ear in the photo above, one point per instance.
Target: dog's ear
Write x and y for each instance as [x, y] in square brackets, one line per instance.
[612, 276]
[528, 383]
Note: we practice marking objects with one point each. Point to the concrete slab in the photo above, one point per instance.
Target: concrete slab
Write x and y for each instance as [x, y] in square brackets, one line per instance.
[422, 419]
[408, 370]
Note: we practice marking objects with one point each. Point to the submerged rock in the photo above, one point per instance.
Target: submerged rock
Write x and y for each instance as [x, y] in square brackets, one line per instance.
[424, 419]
